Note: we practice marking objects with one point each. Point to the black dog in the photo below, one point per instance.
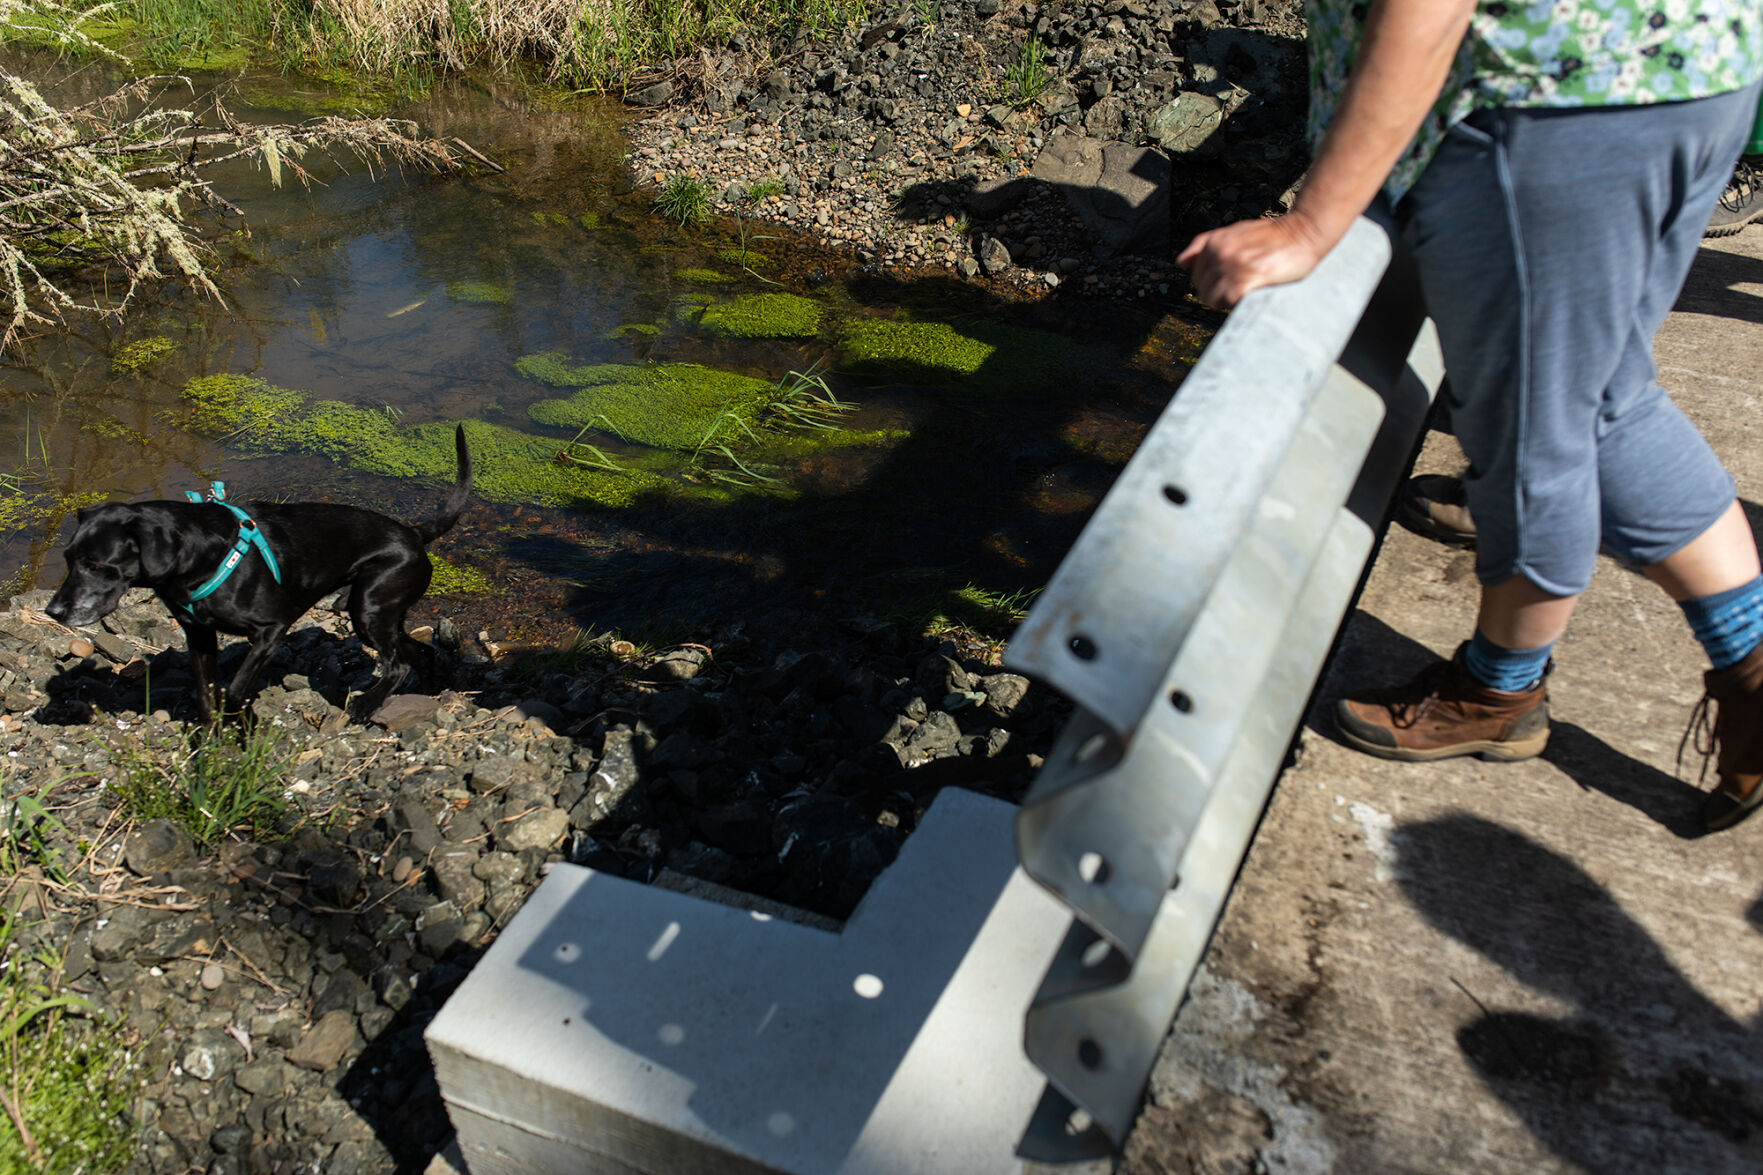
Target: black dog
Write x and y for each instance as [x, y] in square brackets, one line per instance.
[175, 548]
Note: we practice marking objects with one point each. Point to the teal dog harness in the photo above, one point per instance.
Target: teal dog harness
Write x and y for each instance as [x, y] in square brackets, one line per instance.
[249, 536]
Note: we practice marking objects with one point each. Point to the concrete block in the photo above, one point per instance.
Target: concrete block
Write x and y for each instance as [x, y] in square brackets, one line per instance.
[619, 1028]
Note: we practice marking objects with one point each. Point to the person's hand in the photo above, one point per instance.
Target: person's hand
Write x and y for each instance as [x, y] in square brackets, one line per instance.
[1226, 263]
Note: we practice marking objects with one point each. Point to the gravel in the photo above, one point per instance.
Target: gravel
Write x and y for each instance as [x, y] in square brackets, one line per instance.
[277, 989]
[907, 140]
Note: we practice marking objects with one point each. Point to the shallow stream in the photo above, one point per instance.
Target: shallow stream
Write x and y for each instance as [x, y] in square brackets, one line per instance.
[643, 463]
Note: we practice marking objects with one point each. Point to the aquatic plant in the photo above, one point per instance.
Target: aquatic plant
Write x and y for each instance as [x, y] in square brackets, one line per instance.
[663, 405]
[804, 399]
[705, 276]
[479, 293]
[745, 258]
[114, 429]
[632, 328]
[714, 459]
[132, 357]
[589, 220]
[453, 579]
[991, 357]
[685, 200]
[511, 466]
[759, 316]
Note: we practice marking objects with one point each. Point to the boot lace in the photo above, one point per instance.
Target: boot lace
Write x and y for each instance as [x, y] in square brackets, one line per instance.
[1411, 702]
[1699, 737]
[1740, 188]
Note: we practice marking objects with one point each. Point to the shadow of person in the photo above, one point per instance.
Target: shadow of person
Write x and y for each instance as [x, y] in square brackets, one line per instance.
[1371, 653]
[1641, 1072]
[1597, 766]
[1714, 286]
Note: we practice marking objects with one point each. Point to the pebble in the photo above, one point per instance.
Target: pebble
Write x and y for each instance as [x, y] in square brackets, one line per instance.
[213, 975]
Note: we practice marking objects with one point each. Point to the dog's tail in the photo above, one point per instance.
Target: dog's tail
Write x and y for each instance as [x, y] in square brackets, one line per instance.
[443, 522]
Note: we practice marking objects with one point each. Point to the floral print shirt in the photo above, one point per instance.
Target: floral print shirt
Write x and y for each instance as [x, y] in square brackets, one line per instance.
[1553, 53]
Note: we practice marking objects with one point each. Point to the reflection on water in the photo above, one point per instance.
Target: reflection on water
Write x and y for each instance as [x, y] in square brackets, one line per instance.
[416, 295]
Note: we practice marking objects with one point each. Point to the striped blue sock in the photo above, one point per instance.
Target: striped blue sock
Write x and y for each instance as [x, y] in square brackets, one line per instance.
[1511, 670]
[1729, 624]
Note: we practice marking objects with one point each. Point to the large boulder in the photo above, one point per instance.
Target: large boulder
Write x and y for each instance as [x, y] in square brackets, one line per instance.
[1120, 191]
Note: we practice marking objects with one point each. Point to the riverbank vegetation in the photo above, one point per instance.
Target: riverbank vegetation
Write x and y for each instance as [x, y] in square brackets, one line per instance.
[592, 44]
[97, 200]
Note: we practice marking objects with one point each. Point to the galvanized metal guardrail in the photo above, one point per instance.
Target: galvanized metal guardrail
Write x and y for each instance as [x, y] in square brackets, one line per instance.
[1189, 624]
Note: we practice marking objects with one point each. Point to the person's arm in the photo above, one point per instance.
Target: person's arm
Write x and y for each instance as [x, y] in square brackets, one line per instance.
[1403, 60]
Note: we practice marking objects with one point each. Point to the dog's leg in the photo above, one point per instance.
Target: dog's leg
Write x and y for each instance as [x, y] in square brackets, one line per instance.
[377, 606]
[204, 665]
[264, 643]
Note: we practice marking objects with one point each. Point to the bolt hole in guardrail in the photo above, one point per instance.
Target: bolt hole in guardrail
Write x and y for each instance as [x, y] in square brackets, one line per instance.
[1089, 1054]
[1181, 701]
[1083, 648]
[1176, 494]
[1096, 953]
[1093, 868]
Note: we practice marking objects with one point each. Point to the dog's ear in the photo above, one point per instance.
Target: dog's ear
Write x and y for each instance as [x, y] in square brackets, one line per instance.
[157, 547]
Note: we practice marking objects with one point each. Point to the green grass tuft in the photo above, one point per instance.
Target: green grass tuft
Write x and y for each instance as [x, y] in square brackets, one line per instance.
[73, 1082]
[214, 782]
[685, 200]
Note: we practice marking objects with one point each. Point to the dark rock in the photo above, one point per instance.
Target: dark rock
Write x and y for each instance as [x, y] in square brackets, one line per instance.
[1004, 692]
[413, 816]
[655, 95]
[325, 1042]
[994, 258]
[400, 712]
[158, 846]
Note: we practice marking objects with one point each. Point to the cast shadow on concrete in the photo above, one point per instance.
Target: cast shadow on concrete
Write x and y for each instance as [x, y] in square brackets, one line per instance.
[1641, 1072]
[1372, 654]
[1712, 287]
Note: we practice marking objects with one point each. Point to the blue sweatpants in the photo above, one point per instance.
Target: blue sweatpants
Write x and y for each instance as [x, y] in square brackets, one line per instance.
[1551, 244]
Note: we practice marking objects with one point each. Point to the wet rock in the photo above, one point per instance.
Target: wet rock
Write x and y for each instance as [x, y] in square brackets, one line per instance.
[158, 846]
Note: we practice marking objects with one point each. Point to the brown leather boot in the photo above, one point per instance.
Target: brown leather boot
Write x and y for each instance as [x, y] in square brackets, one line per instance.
[1434, 506]
[1736, 695]
[1443, 713]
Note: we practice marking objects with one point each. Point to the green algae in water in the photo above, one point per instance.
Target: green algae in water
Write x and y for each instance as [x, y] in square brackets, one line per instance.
[991, 357]
[111, 428]
[665, 405]
[705, 276]
[746, 258]
[510, 466]
[454, 579]
[132, 357]
[632, 328]
[759, 316]
[480, 293]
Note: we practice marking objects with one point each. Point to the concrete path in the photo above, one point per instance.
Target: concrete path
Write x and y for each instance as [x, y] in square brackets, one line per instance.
[1469, 967]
